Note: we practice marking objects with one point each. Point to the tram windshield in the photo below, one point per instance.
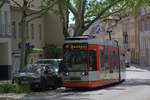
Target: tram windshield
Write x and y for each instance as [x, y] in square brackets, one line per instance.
[76, 60]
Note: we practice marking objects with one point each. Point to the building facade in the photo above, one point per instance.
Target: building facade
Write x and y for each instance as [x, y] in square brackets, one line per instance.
[126, 33]
[44, 30]
[5, 42]
[144, 36]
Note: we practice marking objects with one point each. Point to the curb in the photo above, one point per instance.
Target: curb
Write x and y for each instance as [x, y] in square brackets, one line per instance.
[11, 96]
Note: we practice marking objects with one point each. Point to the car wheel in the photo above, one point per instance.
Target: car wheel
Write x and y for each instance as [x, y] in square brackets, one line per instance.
[54, 87]
[43, 85]
[59, 82]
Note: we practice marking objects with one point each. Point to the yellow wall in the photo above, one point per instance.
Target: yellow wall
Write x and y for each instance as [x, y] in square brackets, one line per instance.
[129, 25]
[53, 30]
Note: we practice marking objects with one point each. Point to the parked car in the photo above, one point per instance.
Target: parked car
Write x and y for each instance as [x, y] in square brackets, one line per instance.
[43, 75]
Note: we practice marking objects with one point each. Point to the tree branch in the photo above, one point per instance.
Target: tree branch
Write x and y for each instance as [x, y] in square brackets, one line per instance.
[29, 3]
[103, 17]
[82, 12]
[72, 9]
[122, 8]
[60, 10]
[2, 3]
[37, 12]
[102, 12]
[33, 18]
[64, 15]
[36, 17]
[17, 3]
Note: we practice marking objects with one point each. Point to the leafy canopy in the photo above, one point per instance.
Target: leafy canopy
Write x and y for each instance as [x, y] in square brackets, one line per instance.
[86, 12]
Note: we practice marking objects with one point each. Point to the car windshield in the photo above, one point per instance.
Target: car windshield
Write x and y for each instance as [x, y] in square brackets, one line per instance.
[76, 60]
[49, 62]
[40, 66]
[37, 70]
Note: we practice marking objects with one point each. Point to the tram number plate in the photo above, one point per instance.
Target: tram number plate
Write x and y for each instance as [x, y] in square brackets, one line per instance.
[76, 46]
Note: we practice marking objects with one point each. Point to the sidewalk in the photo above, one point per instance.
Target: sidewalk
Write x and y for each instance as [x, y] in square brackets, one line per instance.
[12, 96]
[5, 82]
[138, 68]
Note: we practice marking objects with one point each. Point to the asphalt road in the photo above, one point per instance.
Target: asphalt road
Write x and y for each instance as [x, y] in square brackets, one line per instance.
[136, 87]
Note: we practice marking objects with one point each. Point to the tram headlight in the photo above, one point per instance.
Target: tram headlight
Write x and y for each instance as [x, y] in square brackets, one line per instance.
[66, 73]
[84, 73]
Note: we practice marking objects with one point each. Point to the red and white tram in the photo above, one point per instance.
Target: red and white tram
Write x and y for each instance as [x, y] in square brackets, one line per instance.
[91, 62]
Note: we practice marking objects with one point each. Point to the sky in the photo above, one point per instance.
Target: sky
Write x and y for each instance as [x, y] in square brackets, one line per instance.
[70, 18]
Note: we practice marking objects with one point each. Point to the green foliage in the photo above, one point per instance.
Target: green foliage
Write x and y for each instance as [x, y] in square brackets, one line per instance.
[2, 3]
[59, 52]
[13, 88]
[98, 9]
[52, 52]
[25, 69]
[7, 88]
[23, 88]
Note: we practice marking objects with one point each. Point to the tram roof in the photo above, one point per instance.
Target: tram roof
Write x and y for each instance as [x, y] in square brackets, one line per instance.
[91, 40]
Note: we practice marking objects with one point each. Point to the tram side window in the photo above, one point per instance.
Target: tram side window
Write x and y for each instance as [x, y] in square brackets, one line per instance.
[92, 60]
[115, 54]
[106, 64]
[102, 59]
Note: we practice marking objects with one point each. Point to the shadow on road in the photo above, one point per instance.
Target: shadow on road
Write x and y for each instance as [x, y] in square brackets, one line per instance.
[136, 82]
[93, 89]
[129, 83]
[73, 93]
[141, 67]
[116, 86]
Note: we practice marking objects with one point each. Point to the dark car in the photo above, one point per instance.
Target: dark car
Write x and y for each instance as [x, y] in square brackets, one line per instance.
[42, 76]
[49, 78]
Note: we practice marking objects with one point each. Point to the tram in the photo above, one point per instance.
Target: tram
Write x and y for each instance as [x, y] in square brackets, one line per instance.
[91, 62]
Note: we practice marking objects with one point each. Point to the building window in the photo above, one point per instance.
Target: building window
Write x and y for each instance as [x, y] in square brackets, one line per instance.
[6, 22]
[143, 43]
[125, 38]
[19, 29]
[27, 31]
[14, 29]
[115, 55]
[149, 44]
[0, 17]
[106, 59]
[32, 31]
[40, 31]
[142, 26]
[147, 25]
[92, 60]
[0, 22]
[102, 59]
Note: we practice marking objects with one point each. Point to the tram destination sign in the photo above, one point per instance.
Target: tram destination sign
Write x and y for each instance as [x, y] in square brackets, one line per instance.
[76, 46]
